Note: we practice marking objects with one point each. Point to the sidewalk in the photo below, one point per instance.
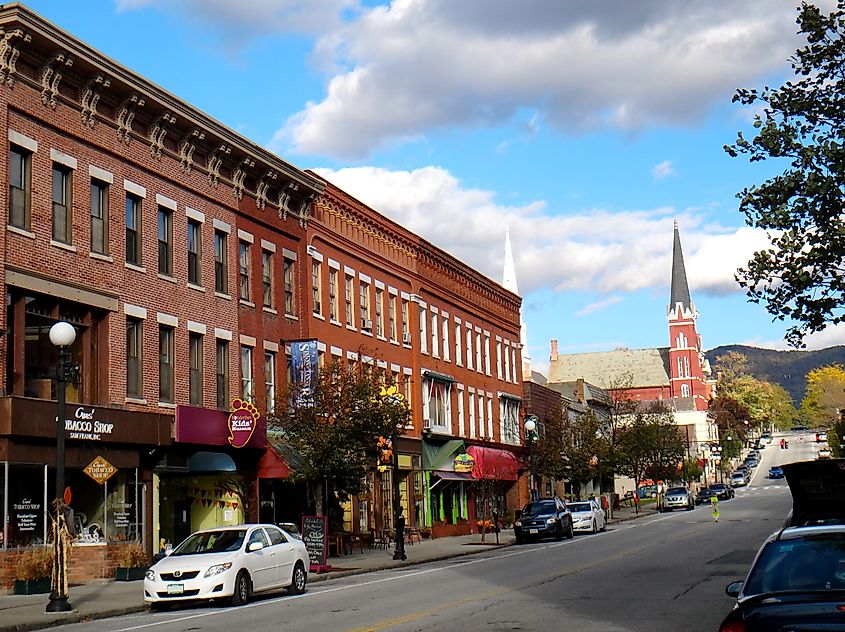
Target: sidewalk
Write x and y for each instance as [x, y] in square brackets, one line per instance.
[107, 598]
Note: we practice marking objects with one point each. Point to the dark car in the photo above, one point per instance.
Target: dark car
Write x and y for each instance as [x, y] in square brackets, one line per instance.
[703, 496]
[722, 491]
[776, 471]
[797, 579]
[544, 518]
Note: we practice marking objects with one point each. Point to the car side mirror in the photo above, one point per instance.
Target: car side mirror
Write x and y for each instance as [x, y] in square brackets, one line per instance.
[254, 546]
[733, 589]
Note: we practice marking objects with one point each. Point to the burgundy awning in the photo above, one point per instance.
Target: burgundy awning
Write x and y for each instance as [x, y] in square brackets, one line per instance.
[493, 463]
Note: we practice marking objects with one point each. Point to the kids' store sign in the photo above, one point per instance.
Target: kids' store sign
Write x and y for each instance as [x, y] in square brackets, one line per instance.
[242, 422]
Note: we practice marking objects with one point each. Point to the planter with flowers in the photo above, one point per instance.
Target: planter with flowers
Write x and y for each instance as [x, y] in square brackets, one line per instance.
[132, 561]
[33, 568]
[484, 527]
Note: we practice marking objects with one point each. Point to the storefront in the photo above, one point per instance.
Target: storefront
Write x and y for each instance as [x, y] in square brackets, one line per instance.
[496, 474]
[447, 485]
[208, 476]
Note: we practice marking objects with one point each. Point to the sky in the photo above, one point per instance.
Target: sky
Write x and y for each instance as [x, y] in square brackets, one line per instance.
[583, 128]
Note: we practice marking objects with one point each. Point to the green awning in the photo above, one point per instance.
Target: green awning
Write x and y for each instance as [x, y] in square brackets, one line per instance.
[440, 377]
[436, 455]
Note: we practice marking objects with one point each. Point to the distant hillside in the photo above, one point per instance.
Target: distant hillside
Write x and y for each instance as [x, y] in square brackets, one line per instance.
[787, 368]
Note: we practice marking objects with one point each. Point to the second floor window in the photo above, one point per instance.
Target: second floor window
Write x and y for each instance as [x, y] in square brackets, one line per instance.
[289, 278]
[243, 260]
[133, 229]
[165, 241]
[165, 364]
[195, 369]
[270, 380]
[62, 215]
[99, 217]
[222, 373]
[350, 315]
[221, 279]
[333, 295]
[194, 252]
[20, 184]
[267, 277]
[316, 289]
[364, 305]
[134, 350]
[379, 312]
[247, 386]
[391, 317]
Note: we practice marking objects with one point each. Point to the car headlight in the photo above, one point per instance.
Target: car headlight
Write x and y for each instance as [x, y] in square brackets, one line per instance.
[217, 569]
[550, 520]
[518, 523]
[150, 574]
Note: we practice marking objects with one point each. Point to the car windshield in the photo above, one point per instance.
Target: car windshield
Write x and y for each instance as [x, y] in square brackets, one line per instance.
[718, 487]
[579, 506]
[737, 475]
[539, 507]
[805, 564]
[705, 491]
[676, 490]
[212, 542]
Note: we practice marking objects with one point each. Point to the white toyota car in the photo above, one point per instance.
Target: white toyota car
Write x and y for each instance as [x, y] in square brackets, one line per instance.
[587, 516]
[228, 563]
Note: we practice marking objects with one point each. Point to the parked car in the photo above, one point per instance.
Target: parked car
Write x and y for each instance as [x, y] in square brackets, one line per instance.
[797, 579]
[766, 438]
[823, 453]
[704, 495]
[723, 491]
[647, 491]
[745, 471]
[776, 471]
[678, 498]
[587, 516]
[544, 518]
[821, 437]
[738, 479]
[229, 562]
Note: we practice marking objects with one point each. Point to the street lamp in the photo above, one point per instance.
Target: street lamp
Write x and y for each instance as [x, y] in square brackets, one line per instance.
[62, 335]
[530, 427]
[393, 397]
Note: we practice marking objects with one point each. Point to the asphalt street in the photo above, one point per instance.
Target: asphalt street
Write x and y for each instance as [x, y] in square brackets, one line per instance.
[666, 572]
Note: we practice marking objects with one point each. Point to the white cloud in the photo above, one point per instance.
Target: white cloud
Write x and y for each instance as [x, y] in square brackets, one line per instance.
[831, 336]
[398, 71]
[663, 170]
[599, 305]
[559, 252]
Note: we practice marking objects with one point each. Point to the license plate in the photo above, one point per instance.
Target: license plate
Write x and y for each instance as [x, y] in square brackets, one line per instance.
[175, 589]
[532, 531]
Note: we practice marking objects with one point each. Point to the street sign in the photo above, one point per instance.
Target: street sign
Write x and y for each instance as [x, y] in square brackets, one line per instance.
[100, 470]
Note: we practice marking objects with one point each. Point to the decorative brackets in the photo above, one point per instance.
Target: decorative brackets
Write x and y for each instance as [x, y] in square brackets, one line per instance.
[215, 161]
[263, 188]
[51, 76]
[240, 176]
[186, 149]
[125, 115]
[90, 98]
[158, 132]
[9, 53]
[284, 200]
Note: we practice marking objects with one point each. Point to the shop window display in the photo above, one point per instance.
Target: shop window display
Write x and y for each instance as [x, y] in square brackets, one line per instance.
[122, 497]
[26, 522]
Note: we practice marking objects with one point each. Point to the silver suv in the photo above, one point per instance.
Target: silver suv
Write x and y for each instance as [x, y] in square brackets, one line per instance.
[678, 498]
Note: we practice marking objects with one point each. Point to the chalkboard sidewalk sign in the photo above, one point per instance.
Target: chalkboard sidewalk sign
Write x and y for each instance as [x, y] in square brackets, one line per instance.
[315, 535]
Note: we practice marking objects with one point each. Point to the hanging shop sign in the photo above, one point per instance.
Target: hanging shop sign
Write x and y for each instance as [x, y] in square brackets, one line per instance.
[464, 463]
[304, 369]
[100, 470]
[242, 422]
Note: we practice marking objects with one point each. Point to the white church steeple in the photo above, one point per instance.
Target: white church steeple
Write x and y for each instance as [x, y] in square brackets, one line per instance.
[509, 283]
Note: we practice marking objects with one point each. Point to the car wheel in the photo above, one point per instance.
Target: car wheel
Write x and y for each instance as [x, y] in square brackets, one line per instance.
[595, 527]
[690, 507]
[520, 539]
[297, 581]
[604, 527]
[559, 532]
[571, 533]
[242, 589]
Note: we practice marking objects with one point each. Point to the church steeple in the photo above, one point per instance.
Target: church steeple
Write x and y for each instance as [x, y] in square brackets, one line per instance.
[680, 286]
[509, 283]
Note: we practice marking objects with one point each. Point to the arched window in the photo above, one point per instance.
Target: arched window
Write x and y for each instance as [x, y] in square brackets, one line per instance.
[684, 390]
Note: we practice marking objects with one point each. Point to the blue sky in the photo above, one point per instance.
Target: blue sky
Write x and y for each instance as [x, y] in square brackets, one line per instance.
[586, 128]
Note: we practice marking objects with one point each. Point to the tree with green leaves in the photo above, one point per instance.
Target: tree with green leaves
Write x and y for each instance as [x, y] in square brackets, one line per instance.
[825, 395]
[335, 430]
[583, 447]
[550, 446]
[801, 127]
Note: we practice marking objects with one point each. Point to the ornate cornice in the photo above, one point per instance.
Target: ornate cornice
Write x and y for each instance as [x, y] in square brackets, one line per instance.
[125, 115]
[51, 76]
[186, 149]
[90, 98]
[158, 131]
[9, 53]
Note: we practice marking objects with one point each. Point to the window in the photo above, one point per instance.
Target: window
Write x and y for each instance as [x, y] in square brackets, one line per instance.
[686, 366]
[509, 420]
[680, 368]
[350, 316]
[267, 277]
[499, 359]
[247, 386]
[423, 330]
[364, 304]
[333, 295]
[405, 327]
[20, 186]
[481, 416]
[478, 365]
[316, 288]
[222, 373]
[379, 313]
[446, 337]
[289, 298]
[165, 364]
[195, 368]
[437, 405]
[270, 380]
[221, 280]
[682, 341]
[243, 262]
[134, 350]
[487, 354]
[458, 343]
[133, 229]
[435, 339]
[194, 252]
[62, 216]
[391, 317]
[461, 416]
[165, 241]
[99, 217]
[406, 385]
[469, 346]
[489, 417]
[471, 402]
[684, 390]
[507, 362]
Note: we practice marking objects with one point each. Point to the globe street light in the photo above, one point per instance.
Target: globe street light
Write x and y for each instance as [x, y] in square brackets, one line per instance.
[530, 427]
[62, 335]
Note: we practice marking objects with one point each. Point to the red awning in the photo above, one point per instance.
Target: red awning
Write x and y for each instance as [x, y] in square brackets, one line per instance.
[495, 464]
[272, 465]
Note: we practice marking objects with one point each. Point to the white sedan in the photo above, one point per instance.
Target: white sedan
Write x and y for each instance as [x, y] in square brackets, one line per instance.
[587, 516]
[229, 563]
